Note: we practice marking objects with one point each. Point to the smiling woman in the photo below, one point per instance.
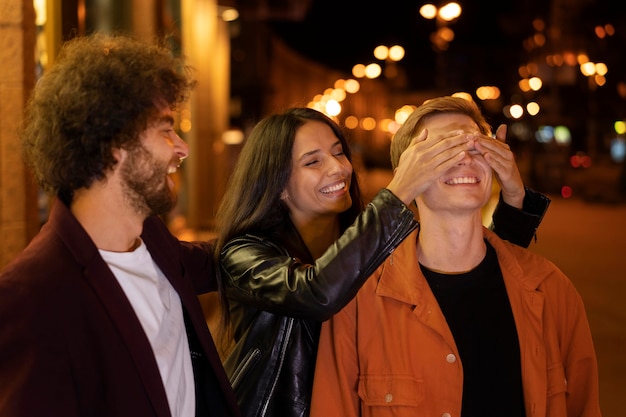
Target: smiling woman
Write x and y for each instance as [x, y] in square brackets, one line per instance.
[292, 215]
[318, 188]
[295, 244]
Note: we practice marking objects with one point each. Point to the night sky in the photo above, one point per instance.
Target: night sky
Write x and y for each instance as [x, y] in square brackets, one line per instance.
[488, 35]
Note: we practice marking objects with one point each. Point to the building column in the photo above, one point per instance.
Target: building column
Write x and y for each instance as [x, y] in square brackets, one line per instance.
[206, 44]
[19, 220]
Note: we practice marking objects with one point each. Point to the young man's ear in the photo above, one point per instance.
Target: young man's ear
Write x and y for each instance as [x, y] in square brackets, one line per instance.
[119, 155]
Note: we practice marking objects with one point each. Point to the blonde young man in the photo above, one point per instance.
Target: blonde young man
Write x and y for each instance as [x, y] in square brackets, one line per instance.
[458, 322]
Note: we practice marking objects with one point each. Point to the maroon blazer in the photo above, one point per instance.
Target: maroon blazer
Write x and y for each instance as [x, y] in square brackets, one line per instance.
[70, 342]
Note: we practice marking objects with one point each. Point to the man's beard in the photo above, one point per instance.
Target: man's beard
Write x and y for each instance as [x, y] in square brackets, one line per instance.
[145, 183]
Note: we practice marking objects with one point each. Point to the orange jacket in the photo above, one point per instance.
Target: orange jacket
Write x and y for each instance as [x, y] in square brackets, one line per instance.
[390, 352]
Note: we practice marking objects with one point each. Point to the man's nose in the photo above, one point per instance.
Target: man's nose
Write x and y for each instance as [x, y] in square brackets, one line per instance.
[181, 147]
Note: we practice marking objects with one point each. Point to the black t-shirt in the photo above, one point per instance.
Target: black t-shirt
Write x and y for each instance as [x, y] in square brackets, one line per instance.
[477, 309]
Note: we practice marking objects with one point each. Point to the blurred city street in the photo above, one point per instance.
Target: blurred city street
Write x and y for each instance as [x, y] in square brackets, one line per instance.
[588, 242]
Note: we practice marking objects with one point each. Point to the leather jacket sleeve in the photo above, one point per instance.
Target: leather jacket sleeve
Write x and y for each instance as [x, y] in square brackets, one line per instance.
[261, 273]
[520, 226]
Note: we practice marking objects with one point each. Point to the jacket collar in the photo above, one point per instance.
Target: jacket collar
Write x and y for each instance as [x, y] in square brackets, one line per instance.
[401, 277]
[100, 278]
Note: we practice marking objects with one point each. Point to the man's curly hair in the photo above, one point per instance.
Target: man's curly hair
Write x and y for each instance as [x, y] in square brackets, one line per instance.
[100, 94]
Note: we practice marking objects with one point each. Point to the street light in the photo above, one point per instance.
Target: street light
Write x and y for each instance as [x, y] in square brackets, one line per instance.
[390, 55]
[441, 38]
[443, 15]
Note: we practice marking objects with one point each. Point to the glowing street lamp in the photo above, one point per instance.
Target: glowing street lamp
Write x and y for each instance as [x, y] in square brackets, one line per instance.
[443, 15]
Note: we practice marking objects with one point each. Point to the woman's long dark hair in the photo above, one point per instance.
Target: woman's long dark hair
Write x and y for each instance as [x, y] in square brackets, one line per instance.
[252, 202]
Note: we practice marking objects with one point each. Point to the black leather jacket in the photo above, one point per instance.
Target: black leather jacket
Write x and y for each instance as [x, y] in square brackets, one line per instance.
[279, 297]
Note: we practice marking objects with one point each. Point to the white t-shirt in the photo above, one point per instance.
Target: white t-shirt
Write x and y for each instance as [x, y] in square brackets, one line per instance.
[160, 312]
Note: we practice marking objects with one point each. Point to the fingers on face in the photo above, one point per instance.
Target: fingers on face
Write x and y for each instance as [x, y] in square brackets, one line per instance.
[493, 145]
[501, 132]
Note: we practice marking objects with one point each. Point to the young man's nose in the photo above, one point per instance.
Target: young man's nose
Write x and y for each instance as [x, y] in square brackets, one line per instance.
[468, 159]
[181, 147]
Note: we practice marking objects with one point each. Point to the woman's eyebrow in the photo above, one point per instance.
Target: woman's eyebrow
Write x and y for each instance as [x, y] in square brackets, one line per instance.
[307, 154]
[314, 151]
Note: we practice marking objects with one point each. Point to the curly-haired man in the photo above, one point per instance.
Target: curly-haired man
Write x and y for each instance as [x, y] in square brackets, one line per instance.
[99, 314]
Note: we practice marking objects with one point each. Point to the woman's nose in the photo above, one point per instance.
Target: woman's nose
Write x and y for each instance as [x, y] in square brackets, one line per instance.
[339, 165]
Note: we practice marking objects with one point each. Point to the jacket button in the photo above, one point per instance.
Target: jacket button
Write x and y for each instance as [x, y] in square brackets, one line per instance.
[388, 398]
[451, 358]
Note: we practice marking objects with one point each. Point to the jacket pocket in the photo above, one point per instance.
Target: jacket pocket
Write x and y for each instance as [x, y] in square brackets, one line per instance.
[242, 368]
[391, 390]
[557, 384]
